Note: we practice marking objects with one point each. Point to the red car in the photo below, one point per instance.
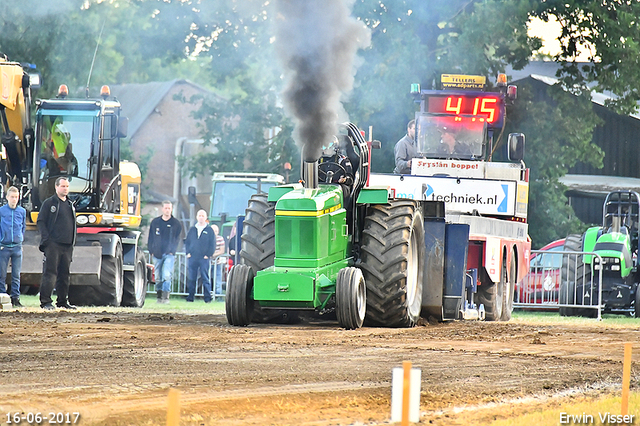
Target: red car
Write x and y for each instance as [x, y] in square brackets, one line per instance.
[542, 283]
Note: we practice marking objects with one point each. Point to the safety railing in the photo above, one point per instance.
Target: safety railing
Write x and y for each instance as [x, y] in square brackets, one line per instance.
[560, 280]
[218, 271]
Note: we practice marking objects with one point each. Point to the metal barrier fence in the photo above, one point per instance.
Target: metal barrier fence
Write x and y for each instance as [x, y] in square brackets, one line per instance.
[218, 271]
[561, 280]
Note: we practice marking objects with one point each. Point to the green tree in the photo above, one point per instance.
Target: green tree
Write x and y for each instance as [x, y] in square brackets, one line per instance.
[138, 41]
[416, 41]
[227, 45]
[245, 119]
[561, 123]
[609, 28]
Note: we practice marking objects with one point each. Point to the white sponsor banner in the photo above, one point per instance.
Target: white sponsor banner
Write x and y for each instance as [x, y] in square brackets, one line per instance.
[430, 167]
[491, 197]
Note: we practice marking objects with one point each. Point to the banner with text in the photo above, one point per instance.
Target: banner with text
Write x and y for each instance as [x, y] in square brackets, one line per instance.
[490, 197]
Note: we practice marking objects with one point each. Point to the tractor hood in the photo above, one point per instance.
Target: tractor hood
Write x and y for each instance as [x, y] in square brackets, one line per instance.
[321, 200]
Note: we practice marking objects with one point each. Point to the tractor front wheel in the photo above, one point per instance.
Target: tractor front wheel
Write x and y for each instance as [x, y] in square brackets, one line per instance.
[239, 300]
[351, 298]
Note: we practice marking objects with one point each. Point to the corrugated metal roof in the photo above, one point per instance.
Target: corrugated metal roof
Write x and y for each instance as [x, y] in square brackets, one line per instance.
[545, 71]
[545, 68]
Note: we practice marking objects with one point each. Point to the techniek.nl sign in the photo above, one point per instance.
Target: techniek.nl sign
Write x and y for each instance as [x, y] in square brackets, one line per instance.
[459, 195]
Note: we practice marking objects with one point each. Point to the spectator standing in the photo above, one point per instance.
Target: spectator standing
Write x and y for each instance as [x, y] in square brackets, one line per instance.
[57, 226]
[220, 262]
[405, 150]
[164, 237]
[12, 227]
[199, 246]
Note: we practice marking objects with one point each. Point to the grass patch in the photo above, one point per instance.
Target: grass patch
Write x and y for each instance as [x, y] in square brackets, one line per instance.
[551, 413]
[546, 318]
[177, 304]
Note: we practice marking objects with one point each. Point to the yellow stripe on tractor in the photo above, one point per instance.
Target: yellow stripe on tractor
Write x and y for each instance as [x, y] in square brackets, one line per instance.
[308, 213]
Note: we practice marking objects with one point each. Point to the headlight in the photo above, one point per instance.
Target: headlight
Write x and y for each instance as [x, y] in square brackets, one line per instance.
[92, 219]
[82, 220]
[615, 267]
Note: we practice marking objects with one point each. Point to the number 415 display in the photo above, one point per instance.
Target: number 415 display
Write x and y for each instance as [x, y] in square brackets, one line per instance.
[481, 107]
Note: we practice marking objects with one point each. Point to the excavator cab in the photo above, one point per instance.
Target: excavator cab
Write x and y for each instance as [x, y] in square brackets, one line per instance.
[79, 140]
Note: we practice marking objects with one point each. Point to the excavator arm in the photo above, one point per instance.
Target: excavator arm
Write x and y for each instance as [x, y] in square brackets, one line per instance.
[15, 118]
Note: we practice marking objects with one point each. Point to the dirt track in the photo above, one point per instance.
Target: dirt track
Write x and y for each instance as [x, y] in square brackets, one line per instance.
[117, 368]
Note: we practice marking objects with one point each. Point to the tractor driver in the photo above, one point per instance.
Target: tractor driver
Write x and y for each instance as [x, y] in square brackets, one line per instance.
[450, 146]
[335, 167]
[57, 151]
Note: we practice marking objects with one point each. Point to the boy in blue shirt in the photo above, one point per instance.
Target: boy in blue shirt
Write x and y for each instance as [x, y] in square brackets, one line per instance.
[12, 227]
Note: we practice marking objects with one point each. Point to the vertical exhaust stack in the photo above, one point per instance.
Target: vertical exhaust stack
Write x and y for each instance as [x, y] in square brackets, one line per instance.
[310, 175]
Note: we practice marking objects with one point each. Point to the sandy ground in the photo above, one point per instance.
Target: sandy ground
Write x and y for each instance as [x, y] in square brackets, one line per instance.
[116, 368]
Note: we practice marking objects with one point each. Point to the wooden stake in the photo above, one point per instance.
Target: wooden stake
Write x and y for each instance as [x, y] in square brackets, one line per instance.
[173, 409]
[406, 382]
[626, 379]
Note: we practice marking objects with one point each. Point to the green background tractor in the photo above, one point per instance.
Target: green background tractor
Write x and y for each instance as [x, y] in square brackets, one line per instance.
[616, 243]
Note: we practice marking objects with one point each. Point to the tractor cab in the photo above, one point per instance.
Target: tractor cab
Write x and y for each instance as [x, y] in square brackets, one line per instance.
[346, 163]
[620, 214]
[451, 137]
[617, 240]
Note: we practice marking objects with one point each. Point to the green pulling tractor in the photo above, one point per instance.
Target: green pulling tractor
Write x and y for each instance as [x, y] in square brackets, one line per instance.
[332, 244]
[616, 243]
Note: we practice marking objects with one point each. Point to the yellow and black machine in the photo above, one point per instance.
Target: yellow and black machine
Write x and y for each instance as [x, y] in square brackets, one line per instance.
[80, 140]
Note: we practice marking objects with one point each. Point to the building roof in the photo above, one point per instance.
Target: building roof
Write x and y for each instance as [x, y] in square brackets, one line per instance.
[542, 68]
[140, 100]
[545, 72]
[596, 185]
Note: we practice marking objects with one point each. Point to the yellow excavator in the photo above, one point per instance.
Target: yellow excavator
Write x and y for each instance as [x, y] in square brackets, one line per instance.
[78, 139]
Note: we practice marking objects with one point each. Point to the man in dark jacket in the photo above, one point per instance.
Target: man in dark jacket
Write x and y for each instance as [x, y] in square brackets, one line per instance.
[12, 227]
[164, 237]
[57, 226]
[199, 246]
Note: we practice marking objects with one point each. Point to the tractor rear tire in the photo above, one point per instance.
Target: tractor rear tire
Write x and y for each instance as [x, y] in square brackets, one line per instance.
[134, 291]
[258, 250]
[637, 305]
[492, 296]
[351, 298]
[393, 256]
[109, 292]
[239, 302]
[573, 277]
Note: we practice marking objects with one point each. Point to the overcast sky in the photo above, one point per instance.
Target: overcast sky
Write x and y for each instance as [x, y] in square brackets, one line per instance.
[548, 32]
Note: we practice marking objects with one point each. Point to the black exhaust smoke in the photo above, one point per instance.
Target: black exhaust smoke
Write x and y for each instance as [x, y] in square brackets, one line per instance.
[316, 41]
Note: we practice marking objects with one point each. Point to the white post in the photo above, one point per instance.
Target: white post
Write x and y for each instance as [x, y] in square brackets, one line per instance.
[397, 386]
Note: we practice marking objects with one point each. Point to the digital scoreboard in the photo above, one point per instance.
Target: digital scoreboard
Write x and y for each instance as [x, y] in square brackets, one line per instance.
[474, 106]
